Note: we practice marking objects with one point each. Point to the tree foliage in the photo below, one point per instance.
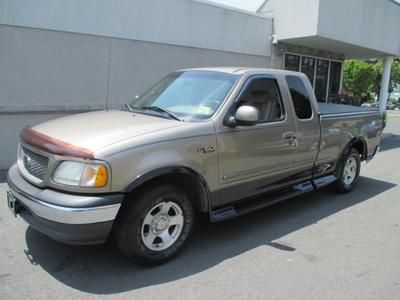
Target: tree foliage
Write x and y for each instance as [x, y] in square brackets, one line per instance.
[361, 78]
[395, 75]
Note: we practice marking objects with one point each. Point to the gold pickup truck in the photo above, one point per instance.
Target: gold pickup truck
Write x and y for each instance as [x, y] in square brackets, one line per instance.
[221, 141]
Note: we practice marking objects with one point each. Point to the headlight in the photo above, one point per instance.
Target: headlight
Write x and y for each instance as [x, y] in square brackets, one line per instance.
[81, 174]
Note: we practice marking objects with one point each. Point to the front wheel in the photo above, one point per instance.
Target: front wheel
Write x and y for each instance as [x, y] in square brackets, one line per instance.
[155, 224]
[349, 171]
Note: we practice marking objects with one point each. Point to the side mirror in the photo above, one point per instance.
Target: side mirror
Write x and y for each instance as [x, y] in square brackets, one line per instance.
[245, 115]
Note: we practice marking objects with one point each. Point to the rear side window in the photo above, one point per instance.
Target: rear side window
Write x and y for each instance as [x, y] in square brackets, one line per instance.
[300, 98]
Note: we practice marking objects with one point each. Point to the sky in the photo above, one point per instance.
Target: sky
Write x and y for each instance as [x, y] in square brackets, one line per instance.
[251, 5]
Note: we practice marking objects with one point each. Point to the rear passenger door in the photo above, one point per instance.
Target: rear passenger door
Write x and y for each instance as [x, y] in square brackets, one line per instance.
[307, 128]
[256, 159]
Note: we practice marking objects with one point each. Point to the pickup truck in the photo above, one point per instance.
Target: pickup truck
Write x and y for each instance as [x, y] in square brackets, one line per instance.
[220, 141]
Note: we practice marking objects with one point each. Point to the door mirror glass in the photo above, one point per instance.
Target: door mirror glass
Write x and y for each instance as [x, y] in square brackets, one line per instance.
[247, 115]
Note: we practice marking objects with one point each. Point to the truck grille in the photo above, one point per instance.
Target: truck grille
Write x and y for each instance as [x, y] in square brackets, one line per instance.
[34, 163]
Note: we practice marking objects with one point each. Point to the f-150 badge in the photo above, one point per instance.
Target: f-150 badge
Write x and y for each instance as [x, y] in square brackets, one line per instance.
[206, 149]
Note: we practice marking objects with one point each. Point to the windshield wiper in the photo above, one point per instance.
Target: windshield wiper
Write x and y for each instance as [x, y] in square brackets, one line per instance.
[162, 111]
[129, 107]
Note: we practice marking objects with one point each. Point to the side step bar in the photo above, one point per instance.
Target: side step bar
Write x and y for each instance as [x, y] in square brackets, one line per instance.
[255, 203]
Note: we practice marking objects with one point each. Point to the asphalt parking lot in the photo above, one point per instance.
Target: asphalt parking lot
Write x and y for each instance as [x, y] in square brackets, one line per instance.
[318, 246]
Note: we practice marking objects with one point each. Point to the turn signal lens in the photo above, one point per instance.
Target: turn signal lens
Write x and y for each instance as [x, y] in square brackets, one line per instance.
[94, 176]
[101, 177]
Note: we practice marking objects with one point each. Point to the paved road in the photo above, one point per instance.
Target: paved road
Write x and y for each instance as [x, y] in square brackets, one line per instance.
[318, 246]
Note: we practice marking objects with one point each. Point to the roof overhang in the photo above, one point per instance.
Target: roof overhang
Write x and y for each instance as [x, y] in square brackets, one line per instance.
[356, 29]
[350, 51]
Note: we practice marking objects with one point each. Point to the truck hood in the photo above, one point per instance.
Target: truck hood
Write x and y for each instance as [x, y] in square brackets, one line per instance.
[96, 130]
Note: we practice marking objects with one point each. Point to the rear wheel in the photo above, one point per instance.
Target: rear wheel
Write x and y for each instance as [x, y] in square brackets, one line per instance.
[154, 226]
[349, 171]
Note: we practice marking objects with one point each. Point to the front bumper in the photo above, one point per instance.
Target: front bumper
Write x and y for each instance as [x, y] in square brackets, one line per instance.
[69, 218]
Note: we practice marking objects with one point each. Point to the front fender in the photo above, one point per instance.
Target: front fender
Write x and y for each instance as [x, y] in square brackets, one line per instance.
[195, 178]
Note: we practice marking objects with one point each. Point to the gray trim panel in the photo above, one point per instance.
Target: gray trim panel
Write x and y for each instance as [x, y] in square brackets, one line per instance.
[344, 115]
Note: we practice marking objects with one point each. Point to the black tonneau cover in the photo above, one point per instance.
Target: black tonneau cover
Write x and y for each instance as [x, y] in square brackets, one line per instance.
[329, 109]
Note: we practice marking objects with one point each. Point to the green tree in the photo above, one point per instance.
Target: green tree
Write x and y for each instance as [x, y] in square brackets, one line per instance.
[394, 75]
[359, 78]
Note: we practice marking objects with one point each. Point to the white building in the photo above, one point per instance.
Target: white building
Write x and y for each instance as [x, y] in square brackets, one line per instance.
[60, 57]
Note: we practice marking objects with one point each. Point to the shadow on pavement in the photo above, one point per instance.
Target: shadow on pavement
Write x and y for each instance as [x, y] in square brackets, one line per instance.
[103, 270]
[390, 141]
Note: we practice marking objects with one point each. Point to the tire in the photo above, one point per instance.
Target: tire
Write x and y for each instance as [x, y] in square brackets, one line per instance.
[348, 172]
[154, 225]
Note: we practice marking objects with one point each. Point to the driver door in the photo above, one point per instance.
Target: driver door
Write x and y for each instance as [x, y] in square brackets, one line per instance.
[256, 159]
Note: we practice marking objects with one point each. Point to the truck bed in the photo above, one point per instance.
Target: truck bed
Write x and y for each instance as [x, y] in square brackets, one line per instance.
[341, 123]
[331, 109]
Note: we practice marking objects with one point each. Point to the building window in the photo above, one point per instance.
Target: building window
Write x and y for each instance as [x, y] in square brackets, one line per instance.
[321, 80]
[334, 80]
[324, 74]
[292, 62]
[307, 67]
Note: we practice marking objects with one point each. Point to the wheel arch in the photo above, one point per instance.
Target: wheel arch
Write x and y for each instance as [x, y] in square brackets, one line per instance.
[190, 180]
[359, 144]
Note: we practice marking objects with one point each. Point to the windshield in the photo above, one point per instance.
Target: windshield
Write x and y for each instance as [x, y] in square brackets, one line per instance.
[188, 94]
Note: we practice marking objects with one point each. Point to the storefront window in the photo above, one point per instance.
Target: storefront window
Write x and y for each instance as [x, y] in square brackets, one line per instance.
[321, 80]
[334, 80]
[307, 67]
[324, 74]
[292, 62]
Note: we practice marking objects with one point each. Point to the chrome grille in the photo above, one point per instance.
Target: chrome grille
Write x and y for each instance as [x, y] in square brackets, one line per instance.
[34, 163]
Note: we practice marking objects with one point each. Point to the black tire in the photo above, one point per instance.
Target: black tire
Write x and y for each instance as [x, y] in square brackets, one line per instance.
[129, 228]
[345, 182]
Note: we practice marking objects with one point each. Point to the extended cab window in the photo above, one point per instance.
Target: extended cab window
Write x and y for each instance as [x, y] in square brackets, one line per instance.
[300, 98]
[263, 94]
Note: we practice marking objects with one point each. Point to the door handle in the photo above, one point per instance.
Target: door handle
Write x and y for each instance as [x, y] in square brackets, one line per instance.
[290, 138]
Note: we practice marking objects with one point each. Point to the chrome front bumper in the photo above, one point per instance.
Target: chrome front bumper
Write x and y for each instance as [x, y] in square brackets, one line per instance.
[49, 208]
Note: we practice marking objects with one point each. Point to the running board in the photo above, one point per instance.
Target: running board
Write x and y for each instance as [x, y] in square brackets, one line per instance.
[324, 181]
[255, 203]
[250, 205]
